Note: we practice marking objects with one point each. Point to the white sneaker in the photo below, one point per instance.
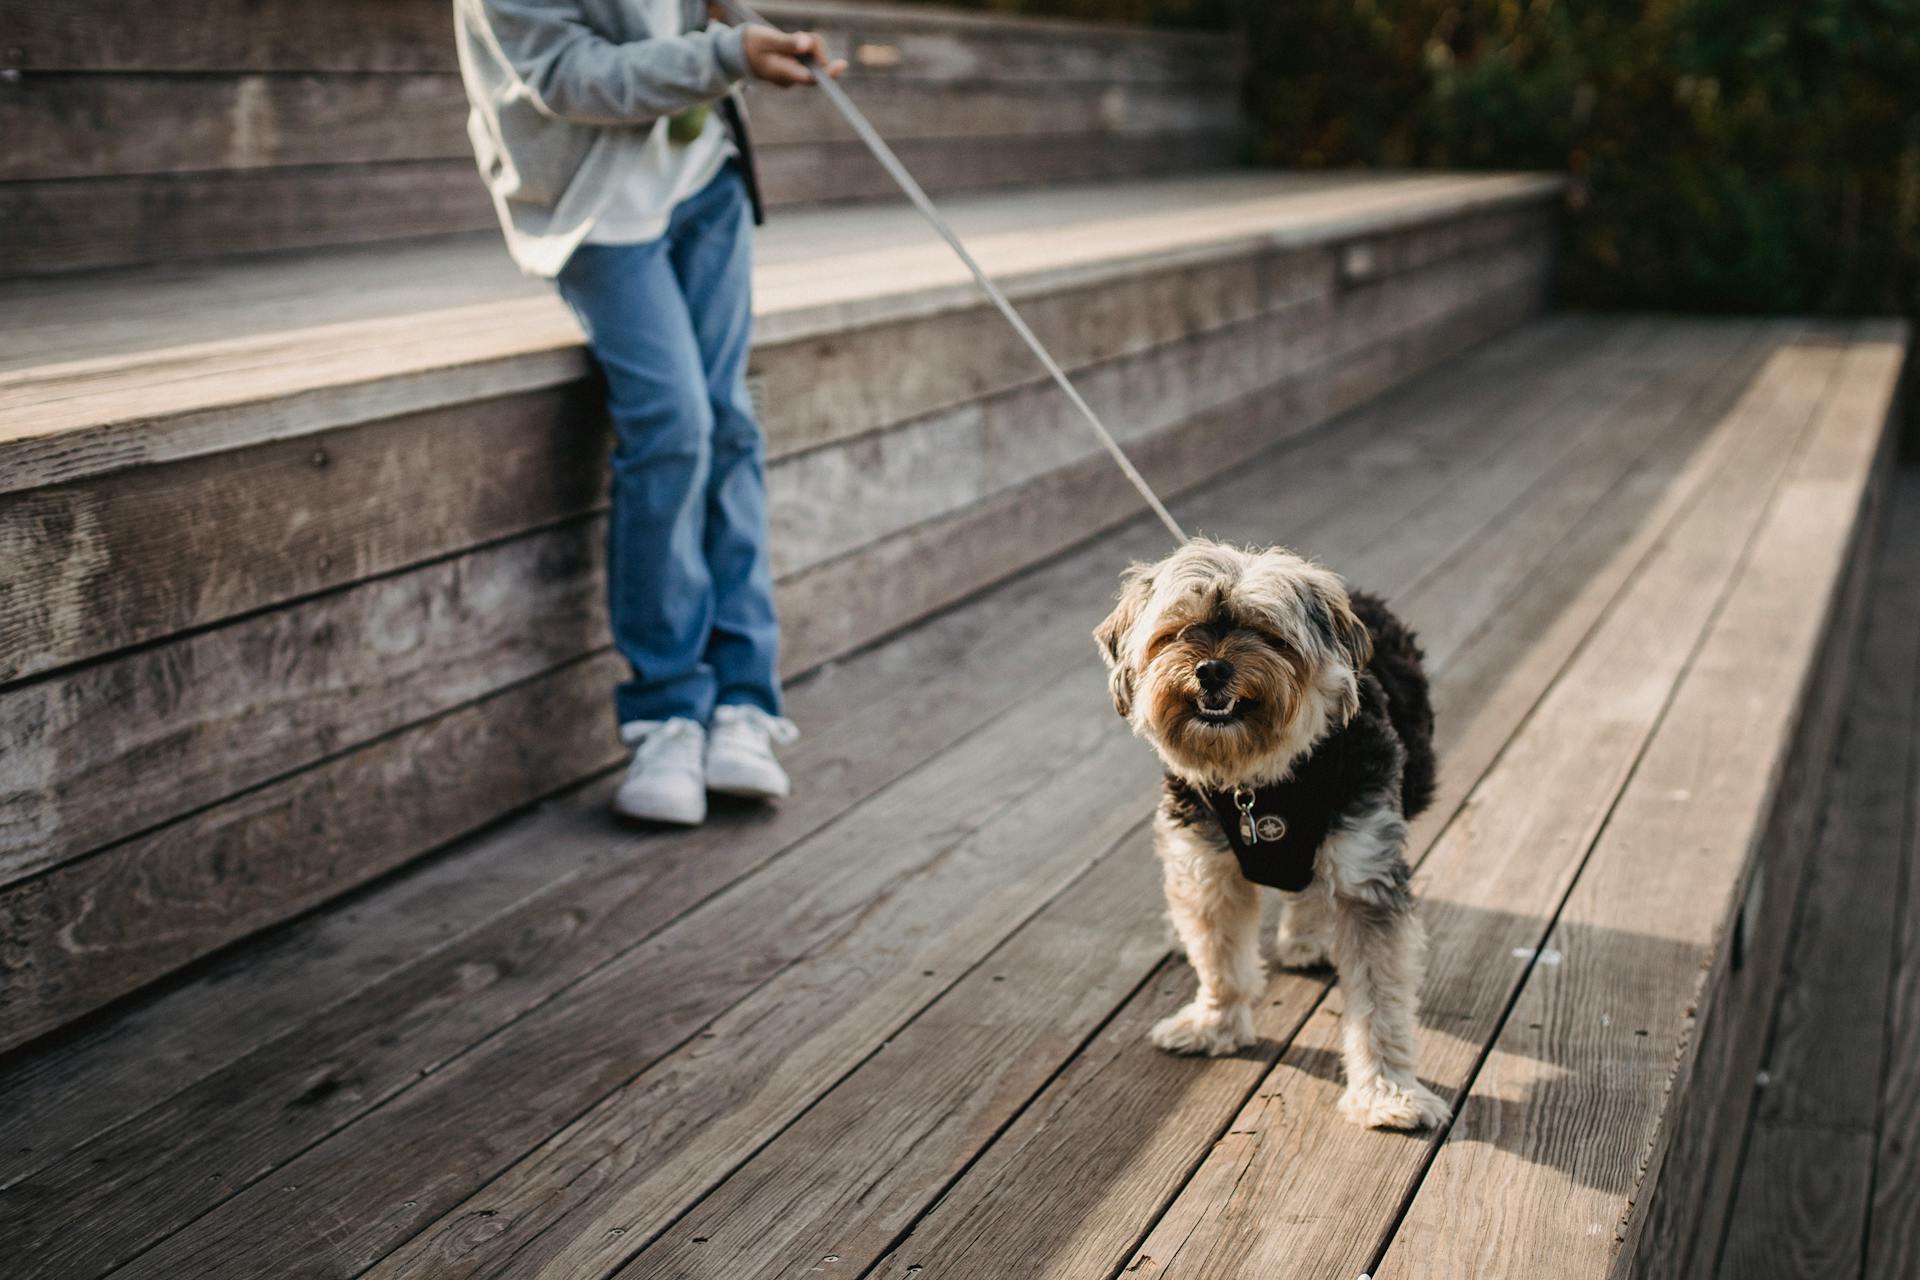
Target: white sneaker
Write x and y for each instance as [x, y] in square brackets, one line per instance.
[667, 780]
[740, 753]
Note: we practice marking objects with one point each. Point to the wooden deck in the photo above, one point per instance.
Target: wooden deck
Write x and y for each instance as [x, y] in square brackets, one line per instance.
[296, 526]
[897, 1027]
[1828, 1188]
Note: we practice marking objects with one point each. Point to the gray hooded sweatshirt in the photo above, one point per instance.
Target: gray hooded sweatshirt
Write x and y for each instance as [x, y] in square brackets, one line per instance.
[564, 94]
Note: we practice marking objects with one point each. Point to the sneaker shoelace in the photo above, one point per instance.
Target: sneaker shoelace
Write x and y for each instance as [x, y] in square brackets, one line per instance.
[654, 739]
[775, 729]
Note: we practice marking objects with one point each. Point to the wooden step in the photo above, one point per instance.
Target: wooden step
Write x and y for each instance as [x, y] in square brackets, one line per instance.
[291, 561]
[897, 1027]
[190, 131]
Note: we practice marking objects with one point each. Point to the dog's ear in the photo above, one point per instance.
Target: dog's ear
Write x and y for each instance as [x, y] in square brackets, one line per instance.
[1136, 586]
[1331, 611]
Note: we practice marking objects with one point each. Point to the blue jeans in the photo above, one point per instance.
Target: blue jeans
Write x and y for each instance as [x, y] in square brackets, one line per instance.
[689, 588]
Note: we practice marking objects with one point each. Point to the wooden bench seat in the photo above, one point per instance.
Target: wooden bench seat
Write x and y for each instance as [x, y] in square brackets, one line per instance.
[896, 1028]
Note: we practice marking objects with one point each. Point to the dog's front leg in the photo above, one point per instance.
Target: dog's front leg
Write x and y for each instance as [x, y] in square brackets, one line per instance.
[1379, 949]
[1216, 913]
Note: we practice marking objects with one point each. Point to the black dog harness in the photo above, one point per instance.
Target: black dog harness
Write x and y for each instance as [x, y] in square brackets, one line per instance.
[1275, 830]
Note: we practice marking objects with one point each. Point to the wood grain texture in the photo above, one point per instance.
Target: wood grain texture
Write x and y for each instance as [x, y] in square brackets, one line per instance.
[1495, 874]
[1893, 1242]
[95, 126]
[550, 1230]
[73, 224]
[105, 565]
[293, 686]
[1821, 1101]
[108, 563]
[869, 720]
[113, 748]
[1680, 1232]
[1639, 931]
[92, 125]
[283, 749]
[1823, 1064]
[1800, 1213]
[415, 35]
[1127, 1161]
[908, 575]
[80, 418]
[89, 223]
[930, 467]
[854, 1208]
[93, 931]
[1035, 627]
[934, 824]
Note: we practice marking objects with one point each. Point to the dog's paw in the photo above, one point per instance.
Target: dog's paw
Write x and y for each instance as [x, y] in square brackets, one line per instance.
[1386, 1104]
[1205, 1029]
[1290, 952]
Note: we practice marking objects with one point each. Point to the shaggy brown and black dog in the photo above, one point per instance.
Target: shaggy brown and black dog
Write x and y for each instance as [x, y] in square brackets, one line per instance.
[1294, 723]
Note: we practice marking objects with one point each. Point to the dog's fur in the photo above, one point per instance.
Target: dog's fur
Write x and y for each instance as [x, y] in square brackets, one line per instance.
[1323, 706]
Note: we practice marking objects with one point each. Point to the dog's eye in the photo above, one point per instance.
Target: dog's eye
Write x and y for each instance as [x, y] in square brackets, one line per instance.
[1274, 641]
[1196, 633]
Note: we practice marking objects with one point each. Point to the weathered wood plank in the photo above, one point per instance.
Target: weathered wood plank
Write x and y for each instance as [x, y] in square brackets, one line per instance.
[1128, 1161]
[1295, 1125]
[809, 173]
[649, 1190]
[1605, 1034]
[73, 224]
[1799, 1214]
[633, 895]
[93, 126]
[1893, 1241]
[105, 564]
[61, 125]
[868, 720]
[414, 35]
[188, 940]
[1823, 1065]
[88, 223]
[527, 605]
[854, 1207]
[1802, 1147]
[936, 465]
[73, 420]
[908, 575]
[1681, 1229]
[76, 938]
[113, 748]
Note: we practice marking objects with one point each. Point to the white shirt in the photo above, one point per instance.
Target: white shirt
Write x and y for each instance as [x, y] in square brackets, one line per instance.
[655, 173]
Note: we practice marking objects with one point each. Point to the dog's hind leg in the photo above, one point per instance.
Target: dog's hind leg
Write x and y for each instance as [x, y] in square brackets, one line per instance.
[1305, 936]
[1216, 913]
[1379, 949]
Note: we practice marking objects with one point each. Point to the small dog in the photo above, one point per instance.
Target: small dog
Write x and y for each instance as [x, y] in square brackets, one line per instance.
[1294, 723]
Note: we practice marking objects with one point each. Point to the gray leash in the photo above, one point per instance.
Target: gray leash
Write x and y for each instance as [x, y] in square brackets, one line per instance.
[889, 161]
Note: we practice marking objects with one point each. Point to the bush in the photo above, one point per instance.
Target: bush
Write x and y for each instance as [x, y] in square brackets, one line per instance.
[1750, 155]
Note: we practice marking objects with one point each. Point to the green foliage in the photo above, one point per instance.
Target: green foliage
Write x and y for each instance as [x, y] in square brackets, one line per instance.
[1752, 155]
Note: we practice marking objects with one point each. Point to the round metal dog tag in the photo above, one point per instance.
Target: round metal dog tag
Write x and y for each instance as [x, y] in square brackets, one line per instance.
[1271, 827]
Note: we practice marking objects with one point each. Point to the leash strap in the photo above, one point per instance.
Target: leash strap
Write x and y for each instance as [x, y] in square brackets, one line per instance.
[898, 172]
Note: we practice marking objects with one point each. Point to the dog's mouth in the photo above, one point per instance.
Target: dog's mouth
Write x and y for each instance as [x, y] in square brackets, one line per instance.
[1217, 707]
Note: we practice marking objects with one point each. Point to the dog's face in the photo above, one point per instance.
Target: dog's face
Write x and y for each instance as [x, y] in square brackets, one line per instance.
[1231, 662]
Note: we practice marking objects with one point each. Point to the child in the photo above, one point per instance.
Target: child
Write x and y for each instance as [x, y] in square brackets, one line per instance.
[617, 176]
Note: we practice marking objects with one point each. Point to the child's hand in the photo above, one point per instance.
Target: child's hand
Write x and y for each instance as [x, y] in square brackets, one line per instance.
[774, 56]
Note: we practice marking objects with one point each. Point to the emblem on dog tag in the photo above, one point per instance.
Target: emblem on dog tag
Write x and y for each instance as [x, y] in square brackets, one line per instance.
[1271, 827]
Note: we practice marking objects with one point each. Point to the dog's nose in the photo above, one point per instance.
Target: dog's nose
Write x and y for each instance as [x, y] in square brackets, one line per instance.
[1213, 674]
